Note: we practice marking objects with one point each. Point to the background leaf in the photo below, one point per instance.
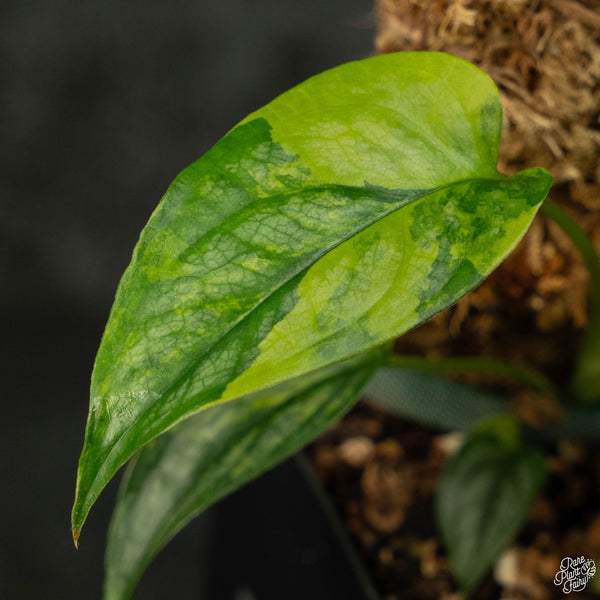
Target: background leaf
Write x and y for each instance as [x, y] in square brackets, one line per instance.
[438, 402]
[431, 400]
[483, 496]
[345, 212]
[193, 465]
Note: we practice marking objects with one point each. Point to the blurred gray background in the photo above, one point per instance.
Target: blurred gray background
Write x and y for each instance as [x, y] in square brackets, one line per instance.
[101, 105]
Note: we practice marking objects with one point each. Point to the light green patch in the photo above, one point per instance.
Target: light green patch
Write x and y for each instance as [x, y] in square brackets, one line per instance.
[339, 311]
[420, 125]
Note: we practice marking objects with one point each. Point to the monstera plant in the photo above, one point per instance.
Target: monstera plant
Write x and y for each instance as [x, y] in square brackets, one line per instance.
[269, 283]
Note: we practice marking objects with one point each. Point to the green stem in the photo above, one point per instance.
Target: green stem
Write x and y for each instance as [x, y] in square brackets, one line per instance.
[586, 377]
[474, 364]
[583, 243]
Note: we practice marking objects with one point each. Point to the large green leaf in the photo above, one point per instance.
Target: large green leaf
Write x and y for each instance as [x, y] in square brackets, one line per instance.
[345, 212]
[483, 496]
[185, 470]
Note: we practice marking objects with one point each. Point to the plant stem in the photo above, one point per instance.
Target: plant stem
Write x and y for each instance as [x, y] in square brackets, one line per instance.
[583, 243]
[475, 364]
[586, 377]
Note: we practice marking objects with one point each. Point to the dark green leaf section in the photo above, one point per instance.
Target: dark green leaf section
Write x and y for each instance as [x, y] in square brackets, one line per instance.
[345, 212]
[206, 457]
[483, 497]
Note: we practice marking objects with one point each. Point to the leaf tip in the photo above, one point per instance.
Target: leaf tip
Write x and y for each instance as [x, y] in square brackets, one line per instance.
[76, 533]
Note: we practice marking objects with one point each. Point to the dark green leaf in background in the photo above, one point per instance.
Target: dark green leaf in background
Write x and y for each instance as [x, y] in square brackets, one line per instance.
[431, 400]
[209, 455]
[484, 495]
[347, 211]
